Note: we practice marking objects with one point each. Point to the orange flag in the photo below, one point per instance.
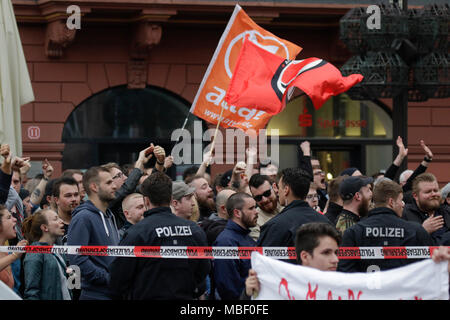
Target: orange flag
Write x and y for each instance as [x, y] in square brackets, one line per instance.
[209, 101]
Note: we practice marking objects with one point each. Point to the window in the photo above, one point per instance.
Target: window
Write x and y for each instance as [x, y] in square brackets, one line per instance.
[339, 118]
[343, 133]
[115, 124]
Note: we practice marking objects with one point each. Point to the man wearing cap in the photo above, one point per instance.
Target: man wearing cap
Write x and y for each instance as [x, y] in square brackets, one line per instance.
[182, 202]
[356, 193]
[383, 227]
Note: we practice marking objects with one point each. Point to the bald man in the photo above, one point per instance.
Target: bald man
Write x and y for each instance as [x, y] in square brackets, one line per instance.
[133, 208]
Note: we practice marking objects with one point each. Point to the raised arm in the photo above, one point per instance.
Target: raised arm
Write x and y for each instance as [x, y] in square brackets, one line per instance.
[39, 191]
[421, 168]
[305, 158]
[402, 153]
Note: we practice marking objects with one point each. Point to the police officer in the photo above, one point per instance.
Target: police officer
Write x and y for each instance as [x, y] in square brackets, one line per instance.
[160, 278]
[382, 228]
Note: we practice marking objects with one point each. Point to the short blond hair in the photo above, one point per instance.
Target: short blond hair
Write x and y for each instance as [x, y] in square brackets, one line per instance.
[424, 177]
[384, 190]
[108, 166]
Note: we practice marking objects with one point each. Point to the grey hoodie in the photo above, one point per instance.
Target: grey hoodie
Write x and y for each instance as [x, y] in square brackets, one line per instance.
[91, 227]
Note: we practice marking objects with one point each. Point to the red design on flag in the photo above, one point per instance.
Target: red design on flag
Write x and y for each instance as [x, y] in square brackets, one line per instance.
[262, 79]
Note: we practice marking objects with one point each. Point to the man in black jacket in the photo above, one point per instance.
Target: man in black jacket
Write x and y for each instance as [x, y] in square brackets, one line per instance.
[160, 278]
[383, 227]
[280, 231]
[427, 209]
[127, 185]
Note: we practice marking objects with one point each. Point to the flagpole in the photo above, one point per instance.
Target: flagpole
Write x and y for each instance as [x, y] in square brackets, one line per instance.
[182, 128]
[215, 134]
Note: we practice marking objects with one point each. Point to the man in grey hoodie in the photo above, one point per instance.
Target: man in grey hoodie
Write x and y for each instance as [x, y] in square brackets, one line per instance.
[93, 224]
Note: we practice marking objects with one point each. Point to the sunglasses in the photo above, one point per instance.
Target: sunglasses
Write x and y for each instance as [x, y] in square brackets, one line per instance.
[266, 194]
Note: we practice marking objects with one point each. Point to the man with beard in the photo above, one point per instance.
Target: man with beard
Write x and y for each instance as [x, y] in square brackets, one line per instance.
[426, 208]
[93, 224]
[67, 198]
[265, 194]
[204, 195]
[356, 193]
[230, 274]
[383, 228]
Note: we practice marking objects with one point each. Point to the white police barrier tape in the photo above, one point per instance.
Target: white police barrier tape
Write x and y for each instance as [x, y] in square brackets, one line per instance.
[222, 252]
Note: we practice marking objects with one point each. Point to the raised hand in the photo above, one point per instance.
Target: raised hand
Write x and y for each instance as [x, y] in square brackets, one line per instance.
[160, 154]
[427, 150]
[5, 152]
[144, 156]
[402, 151]
[47, 169]
[168, 162]
[306, 148]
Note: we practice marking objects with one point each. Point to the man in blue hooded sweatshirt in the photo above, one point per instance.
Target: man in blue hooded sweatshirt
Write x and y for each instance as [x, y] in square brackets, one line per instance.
[93, 224]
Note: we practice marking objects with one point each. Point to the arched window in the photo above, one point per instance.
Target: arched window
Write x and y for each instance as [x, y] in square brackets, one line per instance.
[343, 133]
[115, 124]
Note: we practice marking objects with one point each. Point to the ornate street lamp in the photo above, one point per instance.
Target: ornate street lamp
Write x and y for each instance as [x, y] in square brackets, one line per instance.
[393, 26]
[432, 75]
[351, 30]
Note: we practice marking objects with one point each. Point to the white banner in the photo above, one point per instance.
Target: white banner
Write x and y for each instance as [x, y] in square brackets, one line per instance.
[7, 294]
[424, 280]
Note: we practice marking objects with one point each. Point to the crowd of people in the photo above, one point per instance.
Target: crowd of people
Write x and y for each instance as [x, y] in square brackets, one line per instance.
[247, 206]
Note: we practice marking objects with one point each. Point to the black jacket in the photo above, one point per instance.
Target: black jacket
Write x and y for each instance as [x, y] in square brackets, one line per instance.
[128, 187]
[5, 183]
[230, 274]
[333, 212]
[280, 231]
[382, 228]
[412, 213]
[213, 228]
[160, 278]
